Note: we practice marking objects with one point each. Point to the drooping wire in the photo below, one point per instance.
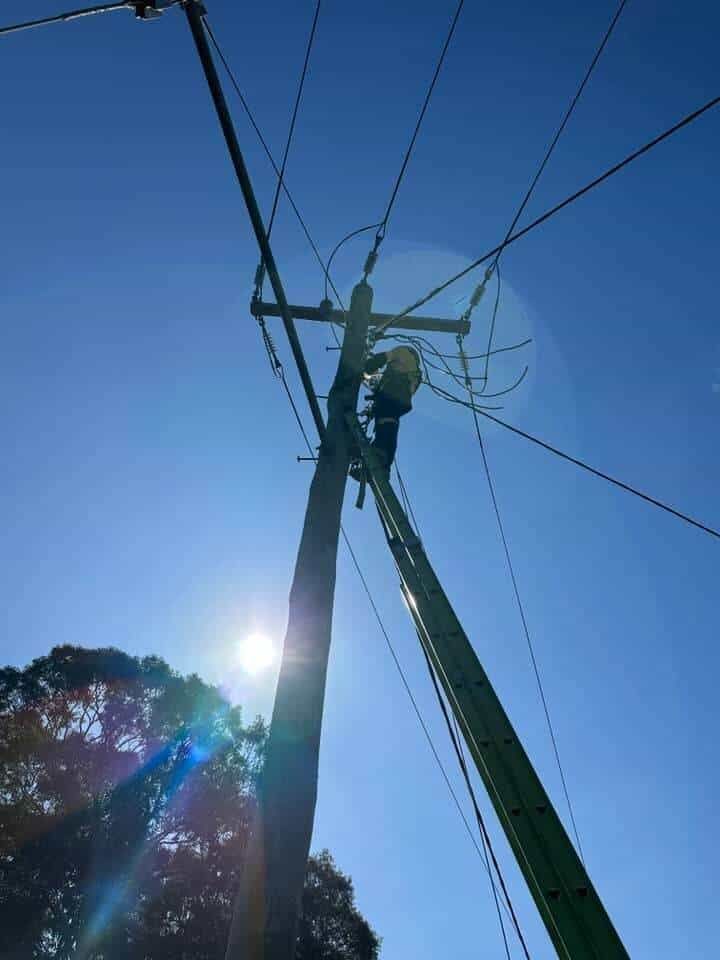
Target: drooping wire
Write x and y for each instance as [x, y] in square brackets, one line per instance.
[427, 379]
[610, 172]
[336, 248]
[455, 356]
[421, 345]
[583, 465]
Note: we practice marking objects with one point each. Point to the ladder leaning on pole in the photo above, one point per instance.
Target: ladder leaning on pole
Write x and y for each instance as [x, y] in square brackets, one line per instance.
[573, 914]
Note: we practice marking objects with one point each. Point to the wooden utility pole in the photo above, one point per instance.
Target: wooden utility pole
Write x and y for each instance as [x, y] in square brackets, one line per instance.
[264, 925]
[265, 921]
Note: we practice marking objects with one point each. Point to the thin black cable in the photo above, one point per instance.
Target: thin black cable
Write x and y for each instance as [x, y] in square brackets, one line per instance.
[461, 378]
[556, 209]
[481, 852]
[560, 129]
[457, 744]
[456, 356]
[526, 631]
[266, 148]
[460, 753]
[538, 174]
[458, 378]
[295, 410]
[296, 108]
[428, 95]
[586, 466]
[406, 498]
[445, 394]
[476, 809]
[336, 248]
[69, 15]
[403, 497]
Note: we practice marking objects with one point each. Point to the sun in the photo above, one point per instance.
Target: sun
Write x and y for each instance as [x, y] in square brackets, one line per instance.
[256, 653]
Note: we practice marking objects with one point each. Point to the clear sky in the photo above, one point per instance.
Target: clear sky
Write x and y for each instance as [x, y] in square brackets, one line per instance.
[151, 495]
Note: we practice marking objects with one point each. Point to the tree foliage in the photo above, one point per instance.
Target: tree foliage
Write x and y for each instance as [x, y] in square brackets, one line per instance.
[126, 792]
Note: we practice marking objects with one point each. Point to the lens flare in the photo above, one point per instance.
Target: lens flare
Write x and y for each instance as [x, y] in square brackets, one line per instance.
[256, 653]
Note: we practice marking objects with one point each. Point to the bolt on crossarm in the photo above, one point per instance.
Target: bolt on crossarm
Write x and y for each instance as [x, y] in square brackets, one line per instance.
[573, 914]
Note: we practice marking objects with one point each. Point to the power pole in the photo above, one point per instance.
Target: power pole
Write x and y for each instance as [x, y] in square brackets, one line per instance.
[264, 925]
[265, 920]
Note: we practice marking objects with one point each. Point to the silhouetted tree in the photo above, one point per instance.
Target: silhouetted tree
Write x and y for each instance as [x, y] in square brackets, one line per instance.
[126, 792]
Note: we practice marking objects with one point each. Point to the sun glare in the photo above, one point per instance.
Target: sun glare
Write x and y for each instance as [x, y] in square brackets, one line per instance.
[256, 653]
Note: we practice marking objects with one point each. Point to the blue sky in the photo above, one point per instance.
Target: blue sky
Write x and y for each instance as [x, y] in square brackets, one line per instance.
[151, 495]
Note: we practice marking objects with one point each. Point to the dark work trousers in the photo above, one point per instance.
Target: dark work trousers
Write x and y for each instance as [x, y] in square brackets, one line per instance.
[386, 414]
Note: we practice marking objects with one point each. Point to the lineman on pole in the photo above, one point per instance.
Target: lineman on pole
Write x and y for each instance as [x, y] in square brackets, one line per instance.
[392, 396]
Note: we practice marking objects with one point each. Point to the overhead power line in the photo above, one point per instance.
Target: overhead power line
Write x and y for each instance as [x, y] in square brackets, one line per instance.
[454, 733]
[268, 153]
[526, 630]
[296, 108]
[494, 267]
[481, 851]
[487, 843]
[475, 298]
[421, 117]
[380, 235]
[260, 272]
[557, 208]
[199, 33]
[561, 128]
[586, 466]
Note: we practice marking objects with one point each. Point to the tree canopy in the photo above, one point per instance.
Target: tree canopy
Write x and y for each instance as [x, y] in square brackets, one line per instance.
[126, 792]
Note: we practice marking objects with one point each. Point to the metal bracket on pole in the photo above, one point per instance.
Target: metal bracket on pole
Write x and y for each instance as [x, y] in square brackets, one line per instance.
[147, 10]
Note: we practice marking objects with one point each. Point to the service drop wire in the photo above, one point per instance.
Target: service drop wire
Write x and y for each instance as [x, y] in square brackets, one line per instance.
[581, 464]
